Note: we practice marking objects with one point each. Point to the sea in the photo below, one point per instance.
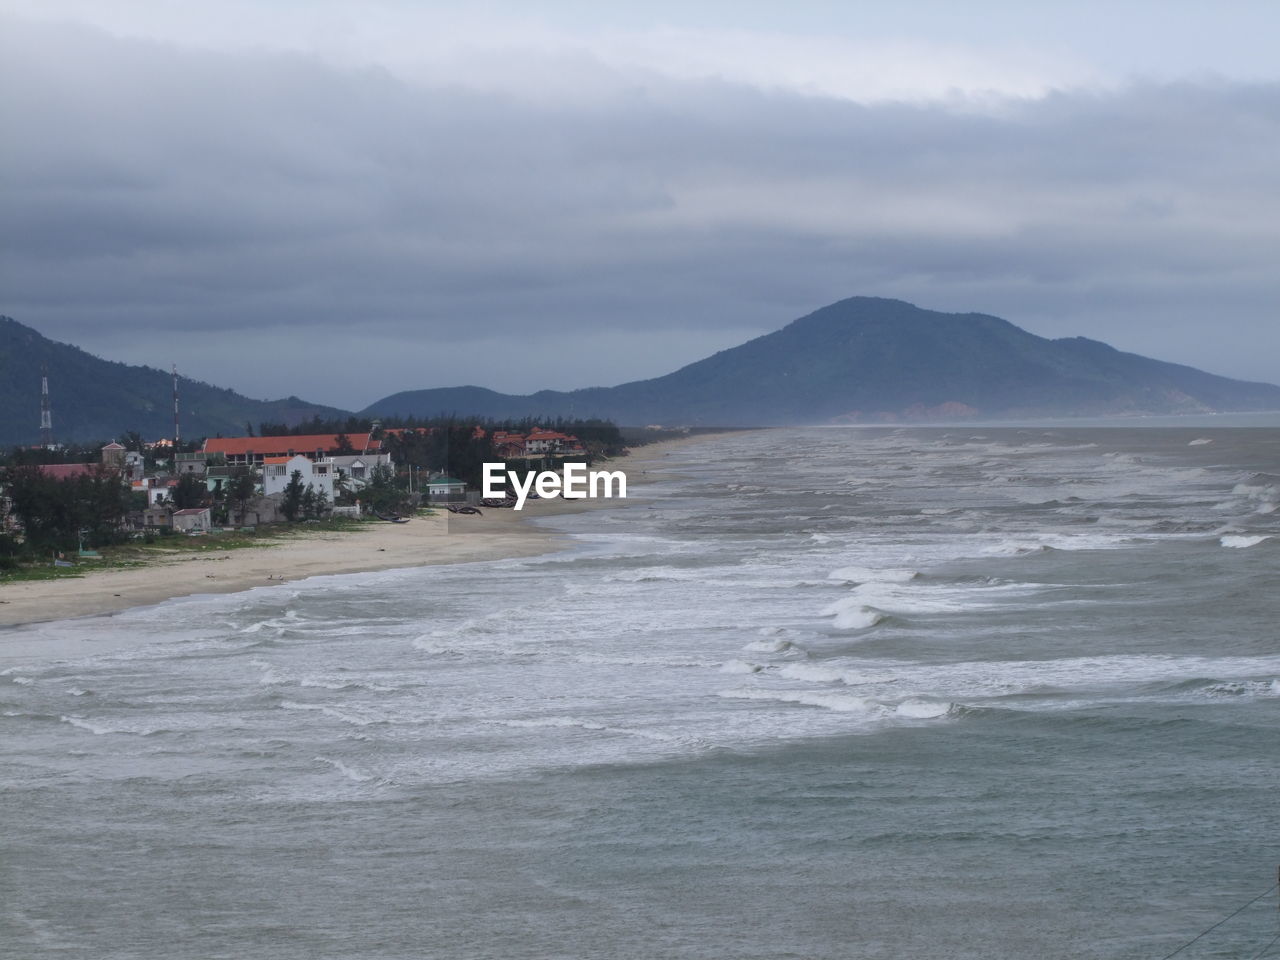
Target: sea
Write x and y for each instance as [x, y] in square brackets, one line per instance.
[962, 692]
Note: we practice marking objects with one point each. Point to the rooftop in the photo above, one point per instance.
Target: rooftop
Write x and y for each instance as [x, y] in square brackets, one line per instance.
[281, 446]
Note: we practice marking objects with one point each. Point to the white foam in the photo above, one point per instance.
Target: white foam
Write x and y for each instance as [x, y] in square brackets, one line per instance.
[771, 646]
[814, 673]
[864, 574]
[740, 666]
[839, 702]
[96, 729]
[923, 709]
[1199, 442]
[538, 722]
[1013, 548]
[342, 715]
[1241, 541]
[852, 614]
[351, 773]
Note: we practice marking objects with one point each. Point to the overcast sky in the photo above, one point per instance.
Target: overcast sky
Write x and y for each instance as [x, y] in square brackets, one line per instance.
[344, 199]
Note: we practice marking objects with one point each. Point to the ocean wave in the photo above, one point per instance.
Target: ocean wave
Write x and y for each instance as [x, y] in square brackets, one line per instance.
[344, 716]
[852, 614]
[856, 574]
[351, 773]
[1242, 541]
[917, 709]
[838, 702]
[777, 645]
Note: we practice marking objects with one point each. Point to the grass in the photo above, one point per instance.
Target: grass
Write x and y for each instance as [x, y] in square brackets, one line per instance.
[137, 553]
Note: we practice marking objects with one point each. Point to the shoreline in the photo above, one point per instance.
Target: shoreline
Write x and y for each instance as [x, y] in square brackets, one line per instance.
[425, 541]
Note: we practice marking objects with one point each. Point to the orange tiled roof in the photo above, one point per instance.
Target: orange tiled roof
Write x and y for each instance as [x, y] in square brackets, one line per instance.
[280, 446]
[65, 471]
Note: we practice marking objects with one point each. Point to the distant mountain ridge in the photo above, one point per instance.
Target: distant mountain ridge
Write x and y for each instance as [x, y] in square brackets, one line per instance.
[95, 399]
[868, 359]
[861, 360]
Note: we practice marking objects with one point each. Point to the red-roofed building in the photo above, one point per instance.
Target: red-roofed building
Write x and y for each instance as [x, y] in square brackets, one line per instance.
[550, 441]
[66, 471]
[318, 446]
[508, 445]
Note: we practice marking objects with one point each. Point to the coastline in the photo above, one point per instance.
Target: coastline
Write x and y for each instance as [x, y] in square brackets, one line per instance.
[425, 541]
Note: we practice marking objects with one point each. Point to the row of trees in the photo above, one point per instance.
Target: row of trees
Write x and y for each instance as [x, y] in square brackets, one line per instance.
[57, 513]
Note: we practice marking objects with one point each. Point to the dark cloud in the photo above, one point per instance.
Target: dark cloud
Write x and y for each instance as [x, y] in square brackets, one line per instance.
[224, 210]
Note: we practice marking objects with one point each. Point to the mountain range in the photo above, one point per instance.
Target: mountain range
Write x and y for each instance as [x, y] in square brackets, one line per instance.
[868, 359]
[864, 359]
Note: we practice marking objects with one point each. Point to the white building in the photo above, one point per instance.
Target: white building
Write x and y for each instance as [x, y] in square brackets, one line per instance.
[193, 520]
[446, 489]
[277, 472]
[358, 470]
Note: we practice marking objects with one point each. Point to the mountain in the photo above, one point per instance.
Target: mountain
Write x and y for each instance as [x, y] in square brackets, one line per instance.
[868, 359]
[94, 399]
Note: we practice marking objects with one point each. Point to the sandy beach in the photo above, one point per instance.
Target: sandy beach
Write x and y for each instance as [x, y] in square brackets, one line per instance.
[442, 538]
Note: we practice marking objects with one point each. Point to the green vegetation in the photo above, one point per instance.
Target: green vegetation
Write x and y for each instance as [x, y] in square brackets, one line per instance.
[65, 514]
[19, 565]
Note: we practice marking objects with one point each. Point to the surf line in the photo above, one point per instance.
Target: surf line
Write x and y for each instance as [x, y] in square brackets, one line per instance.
[577, 483]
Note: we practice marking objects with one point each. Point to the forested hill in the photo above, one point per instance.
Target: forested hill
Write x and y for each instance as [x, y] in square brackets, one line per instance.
[868, 359]
[95, 399]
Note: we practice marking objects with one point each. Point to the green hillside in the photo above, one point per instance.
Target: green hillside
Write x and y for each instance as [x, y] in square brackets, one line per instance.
[95, 399]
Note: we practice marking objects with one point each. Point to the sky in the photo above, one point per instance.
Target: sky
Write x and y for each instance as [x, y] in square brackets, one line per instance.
[340, 200]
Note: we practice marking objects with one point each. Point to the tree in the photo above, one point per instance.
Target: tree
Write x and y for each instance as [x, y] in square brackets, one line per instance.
[241, 487]
[293, 495]
[309, 503]
[189, 492]
[380, 493]
[54, 512]
[342, 446]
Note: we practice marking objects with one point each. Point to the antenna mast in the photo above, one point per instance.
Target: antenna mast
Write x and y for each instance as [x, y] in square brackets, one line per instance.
[46, 418]
[176, 431]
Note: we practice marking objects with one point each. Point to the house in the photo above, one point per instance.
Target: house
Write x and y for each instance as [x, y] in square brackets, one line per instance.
[508, 445]
[135, 465]
[157, 516]
[66, 471]
[542, 441]
[113, 455]
[255, 451]
[278, 471]
[446, 489]
[259, 510]
[358, 470]
[158, 489]
[197, 463]
[193, 520]
[216, 478]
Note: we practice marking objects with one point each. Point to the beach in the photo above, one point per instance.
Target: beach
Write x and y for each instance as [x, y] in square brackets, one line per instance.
[437, 539]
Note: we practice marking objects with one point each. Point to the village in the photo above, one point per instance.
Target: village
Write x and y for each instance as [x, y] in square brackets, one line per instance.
[132, 491]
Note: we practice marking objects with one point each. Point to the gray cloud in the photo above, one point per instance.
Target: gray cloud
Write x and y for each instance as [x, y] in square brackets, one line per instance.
[280, 225]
